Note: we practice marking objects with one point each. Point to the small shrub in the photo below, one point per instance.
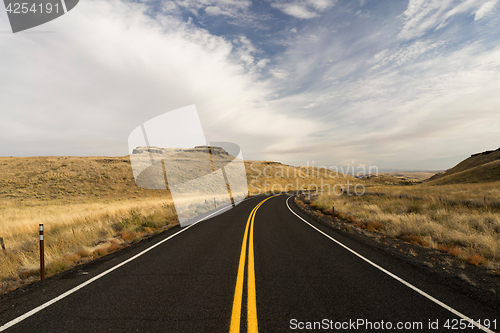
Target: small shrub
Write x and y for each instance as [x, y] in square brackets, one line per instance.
[455, 251]
[318, 214]
[416, 207]
[127, 236]
[371, 226]
[149, 224]
[83, 253]
[476, 259]
[346, 228]
[99, 252]
[340, 215]
[413, 239]
[362, 215]
[27, 273]
[443, 247]
[72, 257]
[117, 227]
[352, 219]
[57, 266]
[388, 209]
[113, 247]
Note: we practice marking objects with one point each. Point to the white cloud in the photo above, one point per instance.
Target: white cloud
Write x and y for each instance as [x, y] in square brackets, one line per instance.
[321, 4]
[303, 9]
[246, 52]
[422, 16]
[230, 8]
[403, 54]
[310, 105]
[296, 10]
[279, 74]
[263, 63]
[170, 8]
[109, 67]
[213, 10]
[427, 102]
[485, 9]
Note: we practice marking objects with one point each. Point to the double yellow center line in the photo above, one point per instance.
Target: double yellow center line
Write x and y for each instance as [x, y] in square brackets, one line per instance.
[252, 326]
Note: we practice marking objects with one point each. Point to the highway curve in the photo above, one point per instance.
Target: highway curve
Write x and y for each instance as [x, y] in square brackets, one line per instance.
[262, 266]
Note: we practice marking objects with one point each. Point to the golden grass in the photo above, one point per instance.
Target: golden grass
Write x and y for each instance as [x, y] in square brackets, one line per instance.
[462, 220]
[480, 193]
[478, 168]
[75, 232]
[87, 205]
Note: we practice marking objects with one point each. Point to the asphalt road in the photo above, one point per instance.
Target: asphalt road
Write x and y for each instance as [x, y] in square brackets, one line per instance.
[291, 273]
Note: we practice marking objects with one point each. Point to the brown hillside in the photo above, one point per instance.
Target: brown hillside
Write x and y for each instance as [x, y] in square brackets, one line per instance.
[50, 179]
[489, 172]
[478, 168]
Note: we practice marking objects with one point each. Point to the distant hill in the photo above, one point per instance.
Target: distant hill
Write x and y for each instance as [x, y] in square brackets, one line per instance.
[411, 175]
[71, 179]
[478, 168]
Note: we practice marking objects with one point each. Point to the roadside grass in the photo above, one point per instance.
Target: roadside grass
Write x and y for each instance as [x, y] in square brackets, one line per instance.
[463, 221]
[75, 234]
[89, 206]
[479, 194]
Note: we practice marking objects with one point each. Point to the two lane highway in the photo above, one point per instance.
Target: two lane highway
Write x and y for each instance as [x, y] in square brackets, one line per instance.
[262, 266]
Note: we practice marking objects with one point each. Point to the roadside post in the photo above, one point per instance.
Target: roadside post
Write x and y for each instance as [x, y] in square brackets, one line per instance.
[333, 211]
[2, 244]
[42, 255]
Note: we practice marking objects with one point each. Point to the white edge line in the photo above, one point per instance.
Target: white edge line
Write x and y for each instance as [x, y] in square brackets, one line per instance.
[394, 276]
[71, 291]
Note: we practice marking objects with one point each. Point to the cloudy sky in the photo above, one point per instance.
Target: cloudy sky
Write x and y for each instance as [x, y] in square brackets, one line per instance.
[397, 84]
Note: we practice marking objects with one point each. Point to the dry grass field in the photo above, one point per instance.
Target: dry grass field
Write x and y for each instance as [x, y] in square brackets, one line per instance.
[478, 168]
[88, 205]
[463, 220]
[91, 205]
[411, 175]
